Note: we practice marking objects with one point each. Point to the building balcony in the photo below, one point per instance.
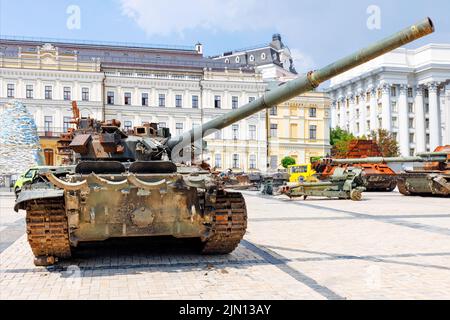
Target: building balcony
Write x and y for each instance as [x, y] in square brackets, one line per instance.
[50, 132]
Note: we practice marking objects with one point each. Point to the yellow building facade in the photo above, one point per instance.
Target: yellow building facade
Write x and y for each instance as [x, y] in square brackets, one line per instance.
[299, 128]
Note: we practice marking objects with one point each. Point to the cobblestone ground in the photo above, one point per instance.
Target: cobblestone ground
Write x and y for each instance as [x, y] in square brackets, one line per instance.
[385, 247]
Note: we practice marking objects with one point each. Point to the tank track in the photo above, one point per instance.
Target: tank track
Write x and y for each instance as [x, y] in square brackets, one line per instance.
[47, 229]
[229, 223]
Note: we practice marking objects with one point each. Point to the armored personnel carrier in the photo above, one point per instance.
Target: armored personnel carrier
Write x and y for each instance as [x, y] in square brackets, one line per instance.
[139, 183]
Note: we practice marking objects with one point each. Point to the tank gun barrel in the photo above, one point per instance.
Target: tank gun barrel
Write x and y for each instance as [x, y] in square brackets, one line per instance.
[434, 158]
[306, 82]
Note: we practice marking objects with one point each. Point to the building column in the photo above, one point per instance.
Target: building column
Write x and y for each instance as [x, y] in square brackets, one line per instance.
[435, 125]
[403, 129]
[386, 107]
[352, 115]
[420, 120]
[447, 115]
[362, 113]
[343, 113]
[373, 109]
[334, 120]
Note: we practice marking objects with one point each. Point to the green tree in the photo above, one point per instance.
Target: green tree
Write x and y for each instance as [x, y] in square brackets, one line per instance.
[340, 140]
[387, 143]
[287, 161]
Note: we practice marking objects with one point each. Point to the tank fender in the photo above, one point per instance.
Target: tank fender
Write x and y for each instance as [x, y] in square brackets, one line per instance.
[27, 195]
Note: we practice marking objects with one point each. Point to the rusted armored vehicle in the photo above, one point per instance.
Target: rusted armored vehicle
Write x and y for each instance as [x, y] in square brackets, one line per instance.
[430, 175]
[432, 179]
[141, 183]
[376, 176]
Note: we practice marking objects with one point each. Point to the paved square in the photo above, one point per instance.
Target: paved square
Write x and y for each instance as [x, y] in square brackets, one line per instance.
[385, 247]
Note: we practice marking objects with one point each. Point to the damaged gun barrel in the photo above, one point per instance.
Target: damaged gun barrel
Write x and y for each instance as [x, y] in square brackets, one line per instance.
[306, 82]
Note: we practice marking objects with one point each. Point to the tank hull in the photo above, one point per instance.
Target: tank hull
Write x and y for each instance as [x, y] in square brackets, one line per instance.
[380, 182]
[413, 183]
[95, 207]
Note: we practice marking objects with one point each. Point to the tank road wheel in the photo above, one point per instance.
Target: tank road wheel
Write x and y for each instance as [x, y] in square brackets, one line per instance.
[229, 223]
[47, 230]
[402, 188]
[356, 195]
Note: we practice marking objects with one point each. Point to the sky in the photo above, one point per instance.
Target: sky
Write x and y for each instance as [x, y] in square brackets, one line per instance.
[317, 32]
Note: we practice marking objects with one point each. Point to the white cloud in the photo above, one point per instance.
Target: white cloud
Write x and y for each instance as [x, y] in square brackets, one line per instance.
[167, 17]
[302, 62]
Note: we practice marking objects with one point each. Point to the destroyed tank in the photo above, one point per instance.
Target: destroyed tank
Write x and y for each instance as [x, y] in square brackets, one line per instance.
[376, 176]
[430, 178]
[136, 184]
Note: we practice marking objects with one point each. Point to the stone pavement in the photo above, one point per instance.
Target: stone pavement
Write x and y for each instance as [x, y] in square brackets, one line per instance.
[385, 247]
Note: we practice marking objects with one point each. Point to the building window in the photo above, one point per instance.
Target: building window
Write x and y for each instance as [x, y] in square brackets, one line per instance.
[218, 135]
[312, 132]
[410, 92]
[410, 107]
[427, 138]
[273, 162]
[252, 58]
[66, 93]
[238, 60]
[263, 56]
[128, 125]
[252, 132]
[66, 123]
[394, 122]
[412, 152]
[178, 101]
[427, 123]
[218, 160]
[273, 111]
[411, 137]
[162, 100]
[227, 60]
[30, 92]
[195, 102]
[368, 125]
[393, 91]
[110, 98]
[394, 136]
[10, 91]
[234, 102]
[427, 107]
[127, 98]
[48, 126]
[48, 92]
[273, 130]
[145, 99]
[251, 99]
[236, 161]
[411, 123]
[179, 129]
[394, 106]
[49, 157]
[161, 125]
[235, 131]
[217, 102]
[85, 94]
[312, 112]
[252, 161]
[426, 93]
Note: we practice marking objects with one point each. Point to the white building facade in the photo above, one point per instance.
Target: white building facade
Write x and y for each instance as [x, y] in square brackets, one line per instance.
[177, 88]
[406, 92]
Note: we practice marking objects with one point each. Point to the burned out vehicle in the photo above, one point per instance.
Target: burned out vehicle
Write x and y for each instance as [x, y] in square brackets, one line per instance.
[135, 184]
